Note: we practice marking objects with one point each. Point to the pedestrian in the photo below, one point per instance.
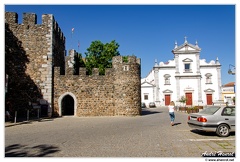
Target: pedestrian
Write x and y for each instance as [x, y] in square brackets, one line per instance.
[171, 109]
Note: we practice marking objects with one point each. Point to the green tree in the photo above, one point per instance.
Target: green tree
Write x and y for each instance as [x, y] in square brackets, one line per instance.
[183, 100]
[99, 55]
[125, 58]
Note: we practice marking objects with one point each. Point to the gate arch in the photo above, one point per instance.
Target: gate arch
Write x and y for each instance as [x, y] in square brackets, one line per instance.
[60, 99]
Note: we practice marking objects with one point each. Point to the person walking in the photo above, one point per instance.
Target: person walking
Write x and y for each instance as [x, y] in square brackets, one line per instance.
[171, 109]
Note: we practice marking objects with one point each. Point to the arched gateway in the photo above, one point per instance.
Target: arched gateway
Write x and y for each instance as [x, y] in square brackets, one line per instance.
[67, 103]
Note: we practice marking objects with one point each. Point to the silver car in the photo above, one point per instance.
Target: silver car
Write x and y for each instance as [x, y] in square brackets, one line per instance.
[214, 119]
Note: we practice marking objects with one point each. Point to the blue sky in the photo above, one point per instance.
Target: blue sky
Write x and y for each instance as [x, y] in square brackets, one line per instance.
[147, 31]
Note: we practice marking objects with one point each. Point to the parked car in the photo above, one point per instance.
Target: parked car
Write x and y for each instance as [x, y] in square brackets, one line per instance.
[214, 119]
[143, 105]
[152, 104]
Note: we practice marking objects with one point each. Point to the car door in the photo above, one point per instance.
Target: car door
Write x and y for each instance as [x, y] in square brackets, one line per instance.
[228, 115]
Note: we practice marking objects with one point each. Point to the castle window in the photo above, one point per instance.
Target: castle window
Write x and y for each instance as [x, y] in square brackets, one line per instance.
[208, 78]
[167, 79]
[125, 68]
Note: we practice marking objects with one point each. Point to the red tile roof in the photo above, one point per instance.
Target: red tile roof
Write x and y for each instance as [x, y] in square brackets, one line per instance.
[230, 84]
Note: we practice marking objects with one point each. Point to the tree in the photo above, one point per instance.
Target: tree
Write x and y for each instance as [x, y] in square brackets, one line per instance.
[183, 100]
[100, 55]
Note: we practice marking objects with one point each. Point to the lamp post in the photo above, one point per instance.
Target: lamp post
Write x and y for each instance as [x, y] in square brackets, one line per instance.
[230, 71]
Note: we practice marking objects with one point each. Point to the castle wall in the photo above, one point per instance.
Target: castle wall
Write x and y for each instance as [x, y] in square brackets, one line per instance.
[44, 47]
[115, 93]
[35, 63]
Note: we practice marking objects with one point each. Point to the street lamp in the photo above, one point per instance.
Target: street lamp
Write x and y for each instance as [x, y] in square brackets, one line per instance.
[230, 71]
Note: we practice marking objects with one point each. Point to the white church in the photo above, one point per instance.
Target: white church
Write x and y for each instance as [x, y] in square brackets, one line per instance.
[185, 76]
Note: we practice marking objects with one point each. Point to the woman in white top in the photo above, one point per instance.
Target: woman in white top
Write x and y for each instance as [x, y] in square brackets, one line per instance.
[171, 109]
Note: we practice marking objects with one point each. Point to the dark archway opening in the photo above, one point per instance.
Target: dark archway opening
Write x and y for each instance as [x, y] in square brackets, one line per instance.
[68, 105]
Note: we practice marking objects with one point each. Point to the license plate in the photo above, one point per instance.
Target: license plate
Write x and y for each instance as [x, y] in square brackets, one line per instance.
[193, 118]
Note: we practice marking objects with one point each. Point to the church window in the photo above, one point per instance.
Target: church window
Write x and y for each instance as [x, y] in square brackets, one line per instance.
[208, 78]
[145, 96]
[167, 79]
[187, 67]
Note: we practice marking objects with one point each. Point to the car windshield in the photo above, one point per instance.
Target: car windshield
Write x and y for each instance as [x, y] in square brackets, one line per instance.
[209, 110]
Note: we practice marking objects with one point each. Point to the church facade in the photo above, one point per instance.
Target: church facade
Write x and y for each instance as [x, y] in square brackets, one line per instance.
[186, 76]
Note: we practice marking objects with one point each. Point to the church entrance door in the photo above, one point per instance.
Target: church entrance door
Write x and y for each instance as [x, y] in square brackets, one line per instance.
[167, 100]
[209, 99]
[189, 98]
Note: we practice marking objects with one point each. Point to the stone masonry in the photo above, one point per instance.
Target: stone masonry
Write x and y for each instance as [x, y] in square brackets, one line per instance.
[46, 67]
[115, 93]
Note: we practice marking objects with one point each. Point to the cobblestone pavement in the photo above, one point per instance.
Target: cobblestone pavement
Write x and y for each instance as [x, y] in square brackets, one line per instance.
[149, 135]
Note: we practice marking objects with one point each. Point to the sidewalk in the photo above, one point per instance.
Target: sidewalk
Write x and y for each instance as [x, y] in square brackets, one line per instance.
[25, 121]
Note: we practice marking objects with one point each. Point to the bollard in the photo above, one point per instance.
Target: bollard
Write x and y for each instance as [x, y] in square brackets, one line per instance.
[38, 113]
[15, 119]
[27, 115]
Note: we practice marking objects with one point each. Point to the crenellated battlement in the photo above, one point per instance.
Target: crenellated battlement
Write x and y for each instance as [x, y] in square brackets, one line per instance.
[11, 17]
[119, 65]
[130, 59]
[58, 30]
[30, 21]
[29, 18]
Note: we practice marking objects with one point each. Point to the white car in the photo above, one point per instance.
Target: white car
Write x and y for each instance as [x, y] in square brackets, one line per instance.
[152, 104]
[214, 119]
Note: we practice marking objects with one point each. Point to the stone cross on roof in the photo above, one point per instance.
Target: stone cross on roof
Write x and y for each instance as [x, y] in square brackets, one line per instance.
[185, 39]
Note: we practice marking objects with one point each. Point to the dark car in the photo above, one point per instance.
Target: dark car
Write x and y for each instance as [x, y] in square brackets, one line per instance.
[152, 104]
[214, 119]
[143, 105]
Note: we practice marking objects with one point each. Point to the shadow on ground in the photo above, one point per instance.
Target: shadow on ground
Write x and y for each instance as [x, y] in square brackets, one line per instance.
[18, 150]
[23, 121]
[149, 112]
[203, 133]
[175, 124]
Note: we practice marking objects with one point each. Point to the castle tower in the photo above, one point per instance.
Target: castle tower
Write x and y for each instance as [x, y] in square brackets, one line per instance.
[127, 85]
[41, 46]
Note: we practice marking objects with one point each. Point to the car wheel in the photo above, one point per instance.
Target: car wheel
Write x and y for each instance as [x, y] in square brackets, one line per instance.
[222, 130]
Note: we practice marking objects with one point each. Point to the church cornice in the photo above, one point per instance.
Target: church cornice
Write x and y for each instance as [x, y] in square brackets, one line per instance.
[149, 84]
[188, 76]
[167, 91]
[185, 52]
[187, 60]
[166, 67]
[210, 66]
[209, 90]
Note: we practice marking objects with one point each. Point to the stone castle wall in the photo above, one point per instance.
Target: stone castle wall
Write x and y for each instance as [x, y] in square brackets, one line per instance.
[115, 93]
[38, 71]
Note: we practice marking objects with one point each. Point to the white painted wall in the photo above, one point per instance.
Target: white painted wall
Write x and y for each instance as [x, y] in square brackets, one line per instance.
[186, 84]
[147, 89]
